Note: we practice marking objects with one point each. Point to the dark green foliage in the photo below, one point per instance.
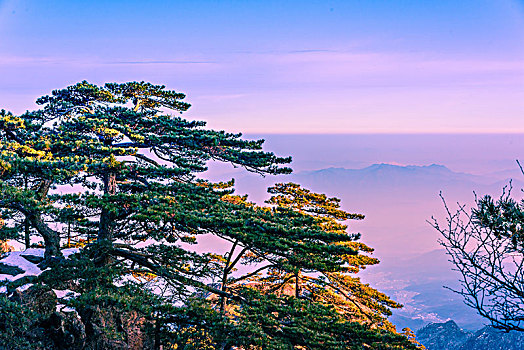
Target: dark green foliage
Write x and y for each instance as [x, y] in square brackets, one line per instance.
[270, 322]
[504, 217]
[288, 322]
[17, 326]
[118, 174]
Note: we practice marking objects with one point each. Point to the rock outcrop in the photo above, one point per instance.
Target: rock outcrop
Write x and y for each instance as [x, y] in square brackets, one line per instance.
[91, 328]
[441, 336]
[50, 325]
[449, 336]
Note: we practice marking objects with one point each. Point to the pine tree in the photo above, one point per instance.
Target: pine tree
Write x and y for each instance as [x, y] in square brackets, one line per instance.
[334, 285]
[115, 169]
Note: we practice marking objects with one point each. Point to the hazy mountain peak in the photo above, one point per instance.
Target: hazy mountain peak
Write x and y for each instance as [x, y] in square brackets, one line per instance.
[442, 336]
[449, 325]
[449, 336]
[431, 167]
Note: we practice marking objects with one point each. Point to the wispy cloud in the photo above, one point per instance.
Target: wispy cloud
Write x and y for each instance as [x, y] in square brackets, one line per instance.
[277, 91]
[311, 50]
[32, 60]
[161, 62]
[385, 68]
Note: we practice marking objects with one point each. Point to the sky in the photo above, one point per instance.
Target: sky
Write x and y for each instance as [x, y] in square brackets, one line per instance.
[280, 67]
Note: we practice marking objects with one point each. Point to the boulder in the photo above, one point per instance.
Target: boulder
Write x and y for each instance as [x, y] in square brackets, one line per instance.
[110, 328]
[66, 330]
[39, 298]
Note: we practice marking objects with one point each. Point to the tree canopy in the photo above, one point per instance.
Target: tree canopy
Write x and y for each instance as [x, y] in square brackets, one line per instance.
[114, 170]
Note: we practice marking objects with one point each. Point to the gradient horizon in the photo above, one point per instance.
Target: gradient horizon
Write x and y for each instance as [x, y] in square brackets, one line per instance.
[283, 67]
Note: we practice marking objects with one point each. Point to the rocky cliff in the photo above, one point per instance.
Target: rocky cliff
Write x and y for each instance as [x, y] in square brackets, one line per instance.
[449, 336]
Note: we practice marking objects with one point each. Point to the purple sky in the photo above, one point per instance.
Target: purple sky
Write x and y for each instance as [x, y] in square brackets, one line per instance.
[284, 67]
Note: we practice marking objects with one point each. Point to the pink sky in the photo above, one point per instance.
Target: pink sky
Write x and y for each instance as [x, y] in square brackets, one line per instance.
[342, 67]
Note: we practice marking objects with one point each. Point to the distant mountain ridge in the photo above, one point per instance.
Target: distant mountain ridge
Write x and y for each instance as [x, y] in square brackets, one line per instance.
[448, 336]
[397, 174]
[378, 166]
